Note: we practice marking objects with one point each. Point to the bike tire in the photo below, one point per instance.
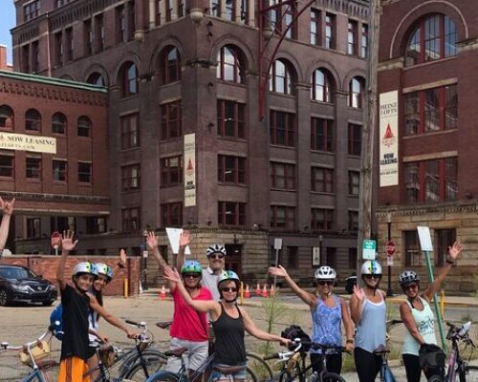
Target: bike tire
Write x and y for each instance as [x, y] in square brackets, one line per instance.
[137, 373]
[129, 362]
[260, 367]
[251, 376]
[332, 377]
[471, 374]
[435, 378]
[164, 376]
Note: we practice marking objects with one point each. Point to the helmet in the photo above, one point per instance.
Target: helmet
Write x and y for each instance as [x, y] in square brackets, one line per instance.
[325, 273]
[228, 276]
[84, 267]
[105, 270]
[407, 277]
[371, 267]
[191, 266]
[216, 248]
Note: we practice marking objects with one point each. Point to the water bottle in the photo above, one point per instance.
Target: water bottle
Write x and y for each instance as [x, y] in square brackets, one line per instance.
[465, 329]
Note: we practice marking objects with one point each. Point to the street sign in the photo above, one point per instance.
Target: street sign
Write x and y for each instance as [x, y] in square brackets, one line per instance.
[369, 249]
[425, 238]
[277, 243]
[390, 248]
[389, 261]
[315, 256]
[55, 240]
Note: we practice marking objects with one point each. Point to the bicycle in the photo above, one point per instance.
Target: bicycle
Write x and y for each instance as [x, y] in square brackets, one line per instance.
[386, 374]
[456, 365]
[294, 363]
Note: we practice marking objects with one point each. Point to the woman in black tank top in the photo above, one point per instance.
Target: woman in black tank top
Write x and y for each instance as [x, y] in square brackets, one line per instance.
[229, 322]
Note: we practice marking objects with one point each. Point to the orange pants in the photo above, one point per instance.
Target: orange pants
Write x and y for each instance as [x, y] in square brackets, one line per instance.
[72, 370]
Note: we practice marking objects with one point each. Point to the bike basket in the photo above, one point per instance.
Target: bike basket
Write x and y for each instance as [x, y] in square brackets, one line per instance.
[295, 331]
[106, 355]
[39, 352]
[431, 357]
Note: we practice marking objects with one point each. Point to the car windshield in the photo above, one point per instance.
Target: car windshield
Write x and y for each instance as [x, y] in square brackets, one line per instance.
[16, 273]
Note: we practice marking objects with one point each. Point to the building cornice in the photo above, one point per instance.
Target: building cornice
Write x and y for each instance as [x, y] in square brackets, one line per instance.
[460, 206]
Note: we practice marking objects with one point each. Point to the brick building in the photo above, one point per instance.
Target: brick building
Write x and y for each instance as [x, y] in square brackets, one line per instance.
[427, 57]
[184, 74]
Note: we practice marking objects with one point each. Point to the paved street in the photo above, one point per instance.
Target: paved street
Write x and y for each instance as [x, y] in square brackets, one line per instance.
[20, 324]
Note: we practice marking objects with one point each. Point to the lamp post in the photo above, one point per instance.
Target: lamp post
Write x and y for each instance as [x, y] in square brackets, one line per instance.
[389, 239]
[321, 261]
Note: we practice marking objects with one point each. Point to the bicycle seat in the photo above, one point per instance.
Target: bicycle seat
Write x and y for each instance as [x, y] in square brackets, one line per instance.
[227, 370]
[381, 350]
[175, 352]
[164, 324]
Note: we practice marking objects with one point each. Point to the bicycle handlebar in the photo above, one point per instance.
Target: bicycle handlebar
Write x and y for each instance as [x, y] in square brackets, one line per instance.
[139, 325]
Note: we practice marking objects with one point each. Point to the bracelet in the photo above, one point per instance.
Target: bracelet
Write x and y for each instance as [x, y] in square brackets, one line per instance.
[349, 341]
[121, 265]
[450, 262]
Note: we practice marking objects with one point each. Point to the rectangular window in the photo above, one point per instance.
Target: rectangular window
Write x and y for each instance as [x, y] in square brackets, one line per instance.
[6, 166]
[33, 168]
[289, 15]
[292, 260]
[130, 131]
[171, 120]
[322, 219]
[352, 38]
[352, 258]
[157, 12]
[355, 139]
[95, 225]
[130, 219]
[26, 58]
[59, 48]
[180, 4]
[244, 12]
[231, 213]
[130, 177]
[120, 25]
[214, 8]
[354, 182]
[230, 6]
[59, 170]
[330, 31]
[444, 238]
[99, 33]
[412, 249]
[231, 169]
[282, 217]
[33, 228]
[364, 41]
[315, 27]
[331, 257]
[88, 37]
[131, 21]
[32, 10]
[59, 223]
[230, 119]
[322, 179]
[172, 214]
[282, 130]
[69, 44]
[283, 176]
[169, 10]
[84, 172]
[35, 57]
[321, 131]
[171, 171]
[353, 221]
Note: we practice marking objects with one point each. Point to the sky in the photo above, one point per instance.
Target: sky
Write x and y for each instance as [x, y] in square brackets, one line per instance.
[7, 21]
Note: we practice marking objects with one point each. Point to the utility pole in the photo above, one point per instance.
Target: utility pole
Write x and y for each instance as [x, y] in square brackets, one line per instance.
[368, 133]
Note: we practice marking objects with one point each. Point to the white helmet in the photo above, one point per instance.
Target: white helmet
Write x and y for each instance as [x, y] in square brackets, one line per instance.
[216, 248]
[371, 267]
[325, 273]
[84, 267]
[407, 277]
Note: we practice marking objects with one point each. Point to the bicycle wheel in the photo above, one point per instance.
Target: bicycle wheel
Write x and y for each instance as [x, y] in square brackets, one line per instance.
[165, 376]
[137, 372]
[154, 358]
[251, 375]
[260, 367]
[435, 378]
[471, 374]
[332, 377]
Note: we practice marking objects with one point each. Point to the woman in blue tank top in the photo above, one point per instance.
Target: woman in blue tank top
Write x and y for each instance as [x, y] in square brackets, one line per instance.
[328, 313]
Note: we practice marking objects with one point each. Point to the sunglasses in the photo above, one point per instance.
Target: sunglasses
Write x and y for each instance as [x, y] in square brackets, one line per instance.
[410, 286]
[190, 275]
[328, 282]
[229, 289]
[220, 257]
[376, 277]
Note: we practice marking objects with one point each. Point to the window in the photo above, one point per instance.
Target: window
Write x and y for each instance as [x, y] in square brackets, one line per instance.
[58, 123]
[214, 8]
[172, 214]
[352, 38]
[434, 38]
[32, 120]
[230, 119]
[330, 31]
[355, 139]
[352, 258]
[412, 250]
[131, 20]
[121, 25]
[244, 14]
[322, 219]
[321, 134]
[130, 177]
[129, 79]
[170, 65]
[58, 39]
[431, 181]
[60, 223]
[282, 217]
[356, 90]
[6, 117]
[289, 15]
[331, 257]
[292, 257]
[95, 225]
[171, 171]
[6, 166]
[69, 44]
[33, 168]
[444, 238]
[35, 57]
[283, 176]
[230, 8]
[129, 131]
[282, 130]
[431, 110]
[322, 179]
[354, 182]
[59, 170]
[84, 172]
[231, 169]
[157, 12]
[315, 27]
[364, 41]
[321, 86]
[96, 79]
[168, 6]
[230, 64]
[231, 213]
[33, 228]
[32, 10]
[181, 5]
[25, 58]
[88, 37]
[84, 127]
[171, 120]
[281, 80]
[130, 219]
[99, 33]
[353, 221]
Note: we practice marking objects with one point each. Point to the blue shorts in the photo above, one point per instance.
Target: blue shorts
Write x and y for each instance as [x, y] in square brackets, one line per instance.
[217, 375]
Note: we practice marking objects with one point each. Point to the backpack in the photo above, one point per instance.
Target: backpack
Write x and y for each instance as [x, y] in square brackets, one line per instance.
[56, 322]
[432, 357]
[294, 331]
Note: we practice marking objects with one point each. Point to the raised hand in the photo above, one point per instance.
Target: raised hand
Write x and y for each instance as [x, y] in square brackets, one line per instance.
[152, 241]
[6, 206]
[185, 238]
[454, 250]
[67, 243]
[359, 293]
[123, 257]
[171, 274]
[278, 271]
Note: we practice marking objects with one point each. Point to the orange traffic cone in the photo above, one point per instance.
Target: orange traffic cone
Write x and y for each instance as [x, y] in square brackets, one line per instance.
[247, 292]
[258, 289]
[162, 295]
[264, 291]
[273, 291]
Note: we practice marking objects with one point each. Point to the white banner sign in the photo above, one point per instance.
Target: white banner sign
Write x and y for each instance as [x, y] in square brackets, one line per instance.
[24, 142]
[189, 170]
[389, 139]
[425, 238]
[173, 237]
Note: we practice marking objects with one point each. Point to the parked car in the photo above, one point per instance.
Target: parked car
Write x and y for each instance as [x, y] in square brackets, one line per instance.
[20, 284]
[349, 284]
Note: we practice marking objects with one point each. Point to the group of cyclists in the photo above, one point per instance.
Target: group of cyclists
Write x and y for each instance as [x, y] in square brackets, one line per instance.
[209, 295]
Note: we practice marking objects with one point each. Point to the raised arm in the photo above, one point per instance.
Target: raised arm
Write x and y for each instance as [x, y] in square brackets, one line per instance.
[453, 253]
[305, 296]
[7, 208]
[356, 304]
[184, 240]
[253, 330]
[67, 245]
[122, 261]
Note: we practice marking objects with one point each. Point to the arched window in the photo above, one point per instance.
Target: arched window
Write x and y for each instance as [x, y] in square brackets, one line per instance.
[170, 65]
[32, 120]
[356, 92]
[96, 79]
[84, 127]
[58, 123]
[282, 80]
[6, 117]
[230, 64]
[321, 86]
[433, 38]
[129, 79]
